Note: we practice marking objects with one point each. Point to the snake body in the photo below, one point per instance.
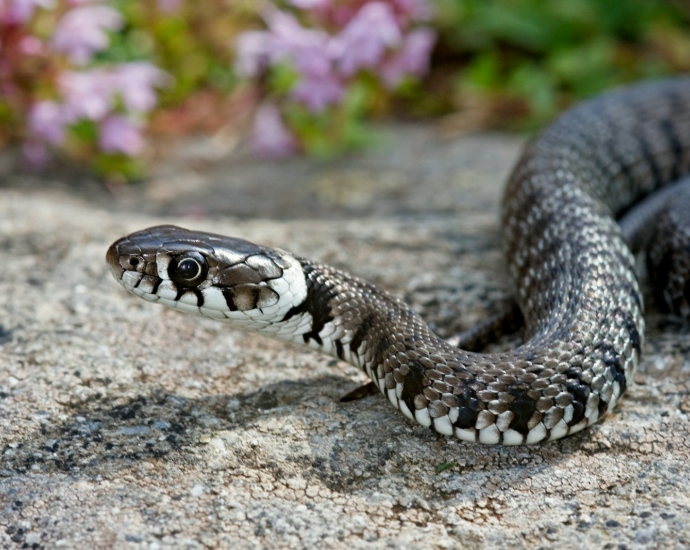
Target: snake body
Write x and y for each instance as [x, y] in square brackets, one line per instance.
[574, 274]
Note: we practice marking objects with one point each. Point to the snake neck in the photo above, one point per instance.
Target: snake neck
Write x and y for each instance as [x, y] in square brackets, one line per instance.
[355, 321]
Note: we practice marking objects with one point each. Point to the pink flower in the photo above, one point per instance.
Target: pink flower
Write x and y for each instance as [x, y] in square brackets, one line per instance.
[310, 53]
[87, 94]
[285, 40]
[119, 134]
[311, 4]
[30, 45]
[307, 50]
[412, 59]
[374, 35]
[413, 10]
[169, 6]
[90, 94]
[270, 137]
[365, 39]
[136, 82]
[81, 32]
[317, 92]
[47, 121]
[16, 12]
[253, 50]
[35, 153]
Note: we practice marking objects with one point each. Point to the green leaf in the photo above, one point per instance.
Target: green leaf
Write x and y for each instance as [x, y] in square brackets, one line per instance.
[118, 166]
[282, 78]
[85, 130]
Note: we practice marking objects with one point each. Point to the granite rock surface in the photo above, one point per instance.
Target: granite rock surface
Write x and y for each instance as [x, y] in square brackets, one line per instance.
[126, 425]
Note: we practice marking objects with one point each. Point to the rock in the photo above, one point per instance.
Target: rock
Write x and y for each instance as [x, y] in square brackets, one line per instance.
[123, 424]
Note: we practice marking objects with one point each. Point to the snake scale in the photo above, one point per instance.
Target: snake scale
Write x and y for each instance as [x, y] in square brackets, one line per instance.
[573, 271]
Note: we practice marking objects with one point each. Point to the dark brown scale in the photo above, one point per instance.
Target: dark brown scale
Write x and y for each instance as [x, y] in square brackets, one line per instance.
[668, 259]
[238, 274]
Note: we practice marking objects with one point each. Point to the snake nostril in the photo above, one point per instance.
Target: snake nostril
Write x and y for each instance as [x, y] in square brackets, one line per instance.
[134, 262]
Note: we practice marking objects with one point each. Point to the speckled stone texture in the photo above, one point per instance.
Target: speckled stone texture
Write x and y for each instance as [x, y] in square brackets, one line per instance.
[125, 425]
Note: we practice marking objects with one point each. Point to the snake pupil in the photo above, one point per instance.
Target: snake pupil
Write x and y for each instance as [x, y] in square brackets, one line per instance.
[188, 269]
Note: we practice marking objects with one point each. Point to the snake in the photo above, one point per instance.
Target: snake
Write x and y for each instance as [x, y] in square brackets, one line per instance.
[574, 273]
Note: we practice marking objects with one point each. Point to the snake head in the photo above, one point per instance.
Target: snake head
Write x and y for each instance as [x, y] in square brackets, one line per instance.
[207, 274]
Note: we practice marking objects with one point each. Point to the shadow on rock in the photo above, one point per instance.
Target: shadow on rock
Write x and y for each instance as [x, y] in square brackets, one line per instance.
[346, 446]
[156, 425]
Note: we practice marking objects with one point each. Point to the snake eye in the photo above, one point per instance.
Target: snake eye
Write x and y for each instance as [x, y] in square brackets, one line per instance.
[188, 269]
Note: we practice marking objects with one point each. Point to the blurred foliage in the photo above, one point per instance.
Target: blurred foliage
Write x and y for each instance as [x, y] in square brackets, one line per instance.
[548, 53]
[338, 128]
[192, 42]
[509, 63]
[323, 67]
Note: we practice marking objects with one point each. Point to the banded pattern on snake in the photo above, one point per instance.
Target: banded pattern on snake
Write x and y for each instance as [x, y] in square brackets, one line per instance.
[574, 274]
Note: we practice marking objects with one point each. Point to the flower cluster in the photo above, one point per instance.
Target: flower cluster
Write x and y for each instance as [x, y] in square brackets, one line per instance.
[343, 42]
[114, 98]
[53, 80]
[75, 77]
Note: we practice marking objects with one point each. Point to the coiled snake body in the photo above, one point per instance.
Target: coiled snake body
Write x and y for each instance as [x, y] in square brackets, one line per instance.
[574, 274]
